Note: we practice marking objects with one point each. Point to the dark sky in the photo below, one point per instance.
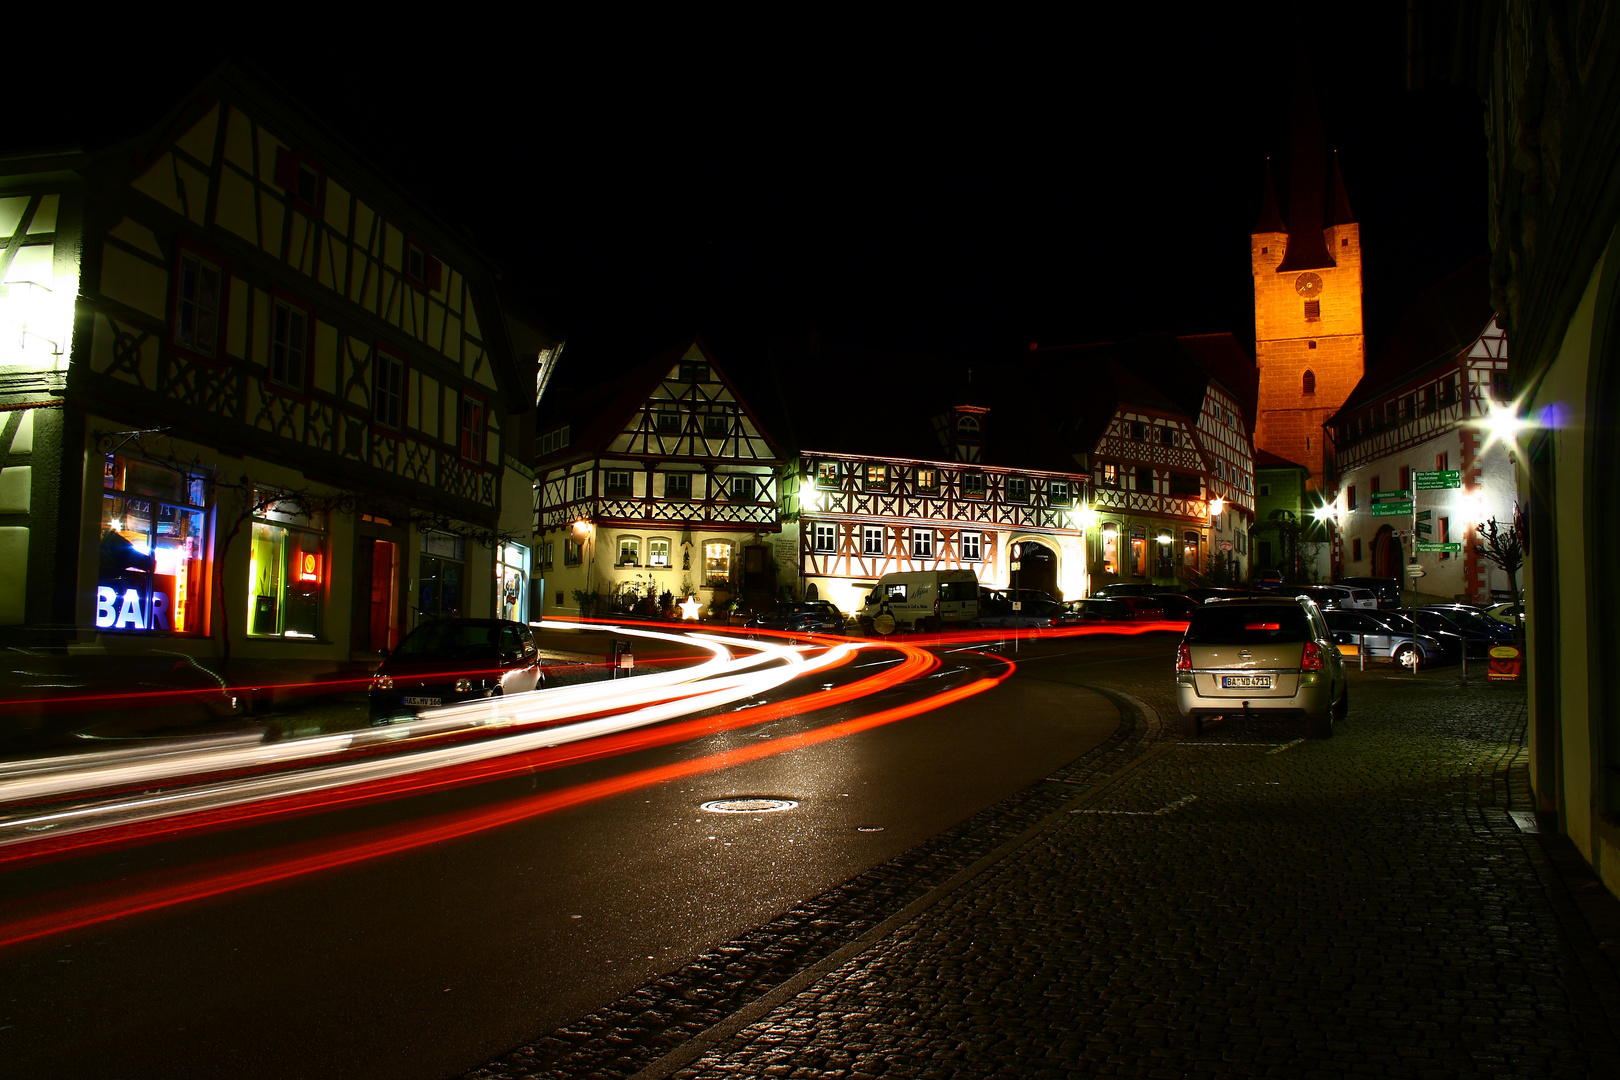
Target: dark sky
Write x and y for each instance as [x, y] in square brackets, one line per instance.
[959, 190]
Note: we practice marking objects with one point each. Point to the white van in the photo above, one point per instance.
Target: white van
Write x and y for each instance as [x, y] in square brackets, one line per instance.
[921, 600]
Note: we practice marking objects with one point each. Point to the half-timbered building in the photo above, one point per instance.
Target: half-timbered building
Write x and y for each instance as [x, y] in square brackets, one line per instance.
[256, 403]
[1164, 428]
[928, 469]
[660, 481]
[1421, 408]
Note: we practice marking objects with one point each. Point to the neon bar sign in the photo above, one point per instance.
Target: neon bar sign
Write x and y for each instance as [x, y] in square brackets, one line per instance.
[128, 612]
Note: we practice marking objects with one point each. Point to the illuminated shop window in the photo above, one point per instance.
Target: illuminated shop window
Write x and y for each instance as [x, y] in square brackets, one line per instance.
[1110, 548]
[512, 583]
[441, 572]
[154, 551]
[717, 564]
[286, 570]
[1138, 551]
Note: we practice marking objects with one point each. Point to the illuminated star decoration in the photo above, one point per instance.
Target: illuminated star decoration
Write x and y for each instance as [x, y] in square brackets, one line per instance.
[690, 608]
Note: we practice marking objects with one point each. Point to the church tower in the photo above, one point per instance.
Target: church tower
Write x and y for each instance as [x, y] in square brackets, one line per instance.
[1308, 339]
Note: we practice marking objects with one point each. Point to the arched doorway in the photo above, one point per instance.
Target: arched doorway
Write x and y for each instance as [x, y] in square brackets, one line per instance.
[1037, 567]
[1388, 560]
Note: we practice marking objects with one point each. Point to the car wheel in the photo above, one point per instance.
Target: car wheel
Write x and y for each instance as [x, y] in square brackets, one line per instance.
[1408, 657]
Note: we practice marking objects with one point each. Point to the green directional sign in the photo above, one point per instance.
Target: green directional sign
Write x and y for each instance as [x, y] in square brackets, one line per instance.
[1388, 496]
[1424, 530]
[1434, 481]
[1420, 546]
[1391, 509]
[1424, 515]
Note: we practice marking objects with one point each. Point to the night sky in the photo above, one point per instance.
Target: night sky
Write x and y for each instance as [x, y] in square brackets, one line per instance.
[956, 190]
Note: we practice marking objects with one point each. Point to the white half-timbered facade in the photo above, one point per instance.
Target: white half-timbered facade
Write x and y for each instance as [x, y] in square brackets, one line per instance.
[291, 386]
[662, 482]
[1431, 421]
[860, 517]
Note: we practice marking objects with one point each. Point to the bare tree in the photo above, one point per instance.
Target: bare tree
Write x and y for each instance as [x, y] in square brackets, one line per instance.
[1504, 547]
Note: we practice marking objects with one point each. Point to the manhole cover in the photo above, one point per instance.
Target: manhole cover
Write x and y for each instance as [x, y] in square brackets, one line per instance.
[748, 806]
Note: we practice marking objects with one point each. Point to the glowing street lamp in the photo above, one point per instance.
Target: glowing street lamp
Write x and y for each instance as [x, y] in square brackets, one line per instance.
[1217, 506]
[1502, 423]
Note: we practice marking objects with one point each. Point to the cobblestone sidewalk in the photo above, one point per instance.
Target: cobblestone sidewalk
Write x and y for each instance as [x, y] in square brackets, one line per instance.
[1249, 904]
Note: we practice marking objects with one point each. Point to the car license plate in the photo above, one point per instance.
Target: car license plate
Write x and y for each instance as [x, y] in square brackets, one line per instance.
[429, 701]
[1251, 682]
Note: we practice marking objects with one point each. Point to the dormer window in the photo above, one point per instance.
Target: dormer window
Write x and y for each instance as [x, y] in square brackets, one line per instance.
[967, 429]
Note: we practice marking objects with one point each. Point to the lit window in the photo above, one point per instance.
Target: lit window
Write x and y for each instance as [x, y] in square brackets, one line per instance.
[629, 551]
[871, 540]
[877, 478]
[658, 551]
[197, 304]
[153, 553]
[927, 480]
[286, 569]
[1110, 475]
[716, 564]
[922, 544]
[972, 545]
[1110, 546]
[827, 474]
[826, 537]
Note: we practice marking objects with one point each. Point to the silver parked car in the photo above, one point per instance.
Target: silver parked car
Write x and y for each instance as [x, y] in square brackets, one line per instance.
[1271, 656]
[1380, 636]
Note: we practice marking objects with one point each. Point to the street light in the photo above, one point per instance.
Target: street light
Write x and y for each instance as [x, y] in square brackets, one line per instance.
[1217, 506]
[1502, 423]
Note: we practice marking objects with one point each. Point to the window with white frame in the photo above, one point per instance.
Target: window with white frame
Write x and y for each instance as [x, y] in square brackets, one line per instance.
[973, 485]
[629, 551]
[871, 540]
[922, 543]
[825, 537]
[741, 489]
[389, 401]
[927, 480]
[827, 474]
[1060, 492]
[677, 485]
[658, 551]
[616, 482]
[197, 304]
[581, 485]
[972, 546]
[289, 345]
[1017, 489]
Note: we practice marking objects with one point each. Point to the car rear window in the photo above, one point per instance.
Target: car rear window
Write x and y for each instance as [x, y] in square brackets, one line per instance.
[957, 591]
[1246, 625]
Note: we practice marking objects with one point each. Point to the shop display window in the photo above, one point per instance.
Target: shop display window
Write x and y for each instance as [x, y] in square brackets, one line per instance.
[286, 570]
[154, 558]
[512, 583]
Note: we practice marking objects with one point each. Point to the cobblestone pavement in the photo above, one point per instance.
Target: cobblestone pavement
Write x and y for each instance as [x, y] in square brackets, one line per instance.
[1248, 904]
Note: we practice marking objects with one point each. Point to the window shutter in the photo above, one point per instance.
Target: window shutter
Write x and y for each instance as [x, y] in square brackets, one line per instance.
[286, 169]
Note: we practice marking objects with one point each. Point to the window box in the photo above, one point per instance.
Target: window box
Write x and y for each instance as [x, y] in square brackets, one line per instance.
[973, 485]
[827, 474]
[877, 478]
[1017, 489]
[1059, 492]
[927, 482]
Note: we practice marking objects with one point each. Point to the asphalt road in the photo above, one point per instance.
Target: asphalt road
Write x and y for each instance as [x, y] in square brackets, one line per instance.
[430, 962]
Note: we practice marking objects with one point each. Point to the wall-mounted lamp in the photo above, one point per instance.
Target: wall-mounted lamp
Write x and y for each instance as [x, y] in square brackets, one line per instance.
[1216, 506]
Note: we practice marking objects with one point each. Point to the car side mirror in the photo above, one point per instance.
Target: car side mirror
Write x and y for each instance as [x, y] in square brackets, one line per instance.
[383, 653]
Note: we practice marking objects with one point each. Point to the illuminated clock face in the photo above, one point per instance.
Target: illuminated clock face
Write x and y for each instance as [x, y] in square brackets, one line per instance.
[1308, 285]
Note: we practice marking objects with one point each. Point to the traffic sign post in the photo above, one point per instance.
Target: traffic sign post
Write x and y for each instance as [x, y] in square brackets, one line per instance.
[1437, 481]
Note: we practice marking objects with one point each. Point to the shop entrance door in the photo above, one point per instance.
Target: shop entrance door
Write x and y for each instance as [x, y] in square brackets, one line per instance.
[384, 607]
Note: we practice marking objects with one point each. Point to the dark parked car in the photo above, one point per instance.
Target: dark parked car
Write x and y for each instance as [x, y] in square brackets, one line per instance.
[1034, 609]
[1480, 630]
[451, 660]
[1104, 609]
[1388, 590]
[805, 616]
[1268, 581]
[1432, 624]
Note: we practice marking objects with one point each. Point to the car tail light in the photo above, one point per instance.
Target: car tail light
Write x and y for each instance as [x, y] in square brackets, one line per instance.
[1184, 658]
[1312, 660]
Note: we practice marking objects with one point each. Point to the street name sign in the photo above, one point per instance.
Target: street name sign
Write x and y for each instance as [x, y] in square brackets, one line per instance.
[1435, 481]
[1424, 515]
[1389, 496]
[1391, 509]
[1421, 546]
